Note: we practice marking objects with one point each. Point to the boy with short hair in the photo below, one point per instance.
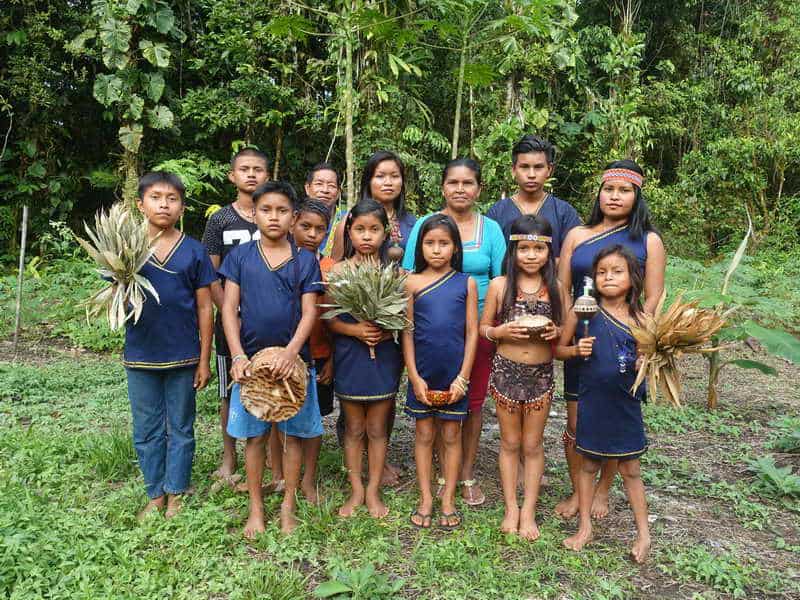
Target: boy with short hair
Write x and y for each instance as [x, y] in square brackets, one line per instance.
[271, 300]
[167, 351]
[227, 228]
[532, 164]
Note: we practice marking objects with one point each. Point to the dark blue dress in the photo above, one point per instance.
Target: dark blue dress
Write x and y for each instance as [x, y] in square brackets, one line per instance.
[581, 266]
[360, 378]
[440, 325]
[610, 421]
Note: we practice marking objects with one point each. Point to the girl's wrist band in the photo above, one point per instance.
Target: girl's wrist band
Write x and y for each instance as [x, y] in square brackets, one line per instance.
[238, 357]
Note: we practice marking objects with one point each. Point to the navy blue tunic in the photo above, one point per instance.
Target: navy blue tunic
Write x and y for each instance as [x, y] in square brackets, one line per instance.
[610, 421]
[167, 334]
[440, 325]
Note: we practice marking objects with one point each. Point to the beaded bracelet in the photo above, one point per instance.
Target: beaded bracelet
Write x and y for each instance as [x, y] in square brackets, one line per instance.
[238, 357]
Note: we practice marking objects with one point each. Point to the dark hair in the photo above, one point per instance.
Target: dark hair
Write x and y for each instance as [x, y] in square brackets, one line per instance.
[368, 172]
[532, 143]
[322, 166]
[365, 207]
[312, 205]
[276, 187]
[634, 295]
[639, 219]
[472, 165]
[439, 221]
[249, 151]
[531, 224]
[148, 180]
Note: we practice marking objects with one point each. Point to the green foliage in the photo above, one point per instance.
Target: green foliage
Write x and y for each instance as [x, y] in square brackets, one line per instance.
[359, 584]
[775, 480]
[725, 572]
[787, 437]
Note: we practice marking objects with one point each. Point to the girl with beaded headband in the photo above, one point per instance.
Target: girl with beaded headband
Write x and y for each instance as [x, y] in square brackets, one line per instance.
[527, 303]
[619, 216]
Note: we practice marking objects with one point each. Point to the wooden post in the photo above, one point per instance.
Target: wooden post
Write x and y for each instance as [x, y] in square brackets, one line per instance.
[23, 243]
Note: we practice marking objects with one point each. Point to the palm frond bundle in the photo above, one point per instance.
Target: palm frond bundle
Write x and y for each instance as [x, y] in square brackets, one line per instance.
[662, 339]
[369, 292]
[120, 245]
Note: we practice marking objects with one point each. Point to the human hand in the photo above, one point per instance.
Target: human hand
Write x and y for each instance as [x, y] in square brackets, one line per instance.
[282, 364]
[512, 331]
[420, 387]
[325, 375]
[202, 374]
[369, 333]
[585, 346]
[240, 369]
[456, 391]
[551, 332]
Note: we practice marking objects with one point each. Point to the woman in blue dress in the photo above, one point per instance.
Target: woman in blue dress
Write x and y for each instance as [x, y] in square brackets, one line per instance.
[484, 248]
[619, 216]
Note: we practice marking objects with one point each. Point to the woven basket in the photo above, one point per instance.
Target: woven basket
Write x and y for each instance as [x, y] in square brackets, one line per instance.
[271, 399]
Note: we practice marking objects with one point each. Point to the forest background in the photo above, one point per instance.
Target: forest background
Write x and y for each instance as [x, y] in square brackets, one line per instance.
[703, 94]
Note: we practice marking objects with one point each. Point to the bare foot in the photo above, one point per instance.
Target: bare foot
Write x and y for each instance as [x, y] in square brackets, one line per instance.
[226, 469]
[348, 508]
[422, 517]
[174, 505]
[390, 475]
[155, 505]
[510, 522]
[310, 493]
[528, 528]
[599, 506]
[377, 509]
[288, 520]
[579, 540]
[640, 549]
[566, 509]
[254, 525]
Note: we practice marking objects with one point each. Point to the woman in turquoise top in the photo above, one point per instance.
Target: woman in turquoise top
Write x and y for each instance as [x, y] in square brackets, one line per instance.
[484, 248]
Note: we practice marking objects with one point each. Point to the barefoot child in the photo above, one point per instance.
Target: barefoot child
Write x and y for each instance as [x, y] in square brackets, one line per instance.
[270, 300]
[309, 230]
[610, 422]
[521, 382]
[167, 351]
[366, 387]
[227, 228]
[439, 353]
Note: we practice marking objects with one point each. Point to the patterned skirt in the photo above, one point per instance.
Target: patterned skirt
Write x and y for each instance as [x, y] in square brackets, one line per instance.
[519, 386]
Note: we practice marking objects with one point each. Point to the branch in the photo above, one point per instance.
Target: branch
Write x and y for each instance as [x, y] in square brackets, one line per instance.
[8, 132]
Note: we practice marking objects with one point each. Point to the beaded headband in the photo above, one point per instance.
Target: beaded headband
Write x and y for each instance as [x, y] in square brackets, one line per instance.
[626, 174]
[529, 237]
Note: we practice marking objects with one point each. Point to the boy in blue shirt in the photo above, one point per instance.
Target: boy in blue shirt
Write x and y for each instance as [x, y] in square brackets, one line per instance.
[167, 350]
[270, 299]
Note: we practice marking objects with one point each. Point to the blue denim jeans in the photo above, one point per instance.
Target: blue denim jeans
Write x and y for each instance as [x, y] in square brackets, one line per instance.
[163, 409]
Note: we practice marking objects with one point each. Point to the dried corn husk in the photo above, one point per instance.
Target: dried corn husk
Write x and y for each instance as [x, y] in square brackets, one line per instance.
[120, 245]
[369, 292]
[662, 339]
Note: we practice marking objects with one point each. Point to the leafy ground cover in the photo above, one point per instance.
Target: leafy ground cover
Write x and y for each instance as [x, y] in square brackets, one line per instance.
[723, 489]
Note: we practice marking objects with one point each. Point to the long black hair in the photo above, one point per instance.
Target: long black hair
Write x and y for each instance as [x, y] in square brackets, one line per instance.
[531, 225]
[368, 172]
[634, 295]
[439, 221]
[365, 207]
[639, 220]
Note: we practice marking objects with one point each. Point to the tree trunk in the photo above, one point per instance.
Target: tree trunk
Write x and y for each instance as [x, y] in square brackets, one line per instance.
[714, 367]
[278, 151]
[350, 185]
[460, 89]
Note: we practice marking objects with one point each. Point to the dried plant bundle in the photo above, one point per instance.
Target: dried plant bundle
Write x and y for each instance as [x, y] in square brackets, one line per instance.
[369, 292]
[120, 245]
[662, 339]
[271, 399]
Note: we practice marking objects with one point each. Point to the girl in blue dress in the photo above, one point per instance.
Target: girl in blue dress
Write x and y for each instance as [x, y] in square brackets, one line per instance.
[610, 424]
[439, 352]
[366, 387]
[619, 216]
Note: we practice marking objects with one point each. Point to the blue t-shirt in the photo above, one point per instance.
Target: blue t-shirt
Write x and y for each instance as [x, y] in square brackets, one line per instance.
[561, 215]
[483, 255]
[167, 334]
[270, 296]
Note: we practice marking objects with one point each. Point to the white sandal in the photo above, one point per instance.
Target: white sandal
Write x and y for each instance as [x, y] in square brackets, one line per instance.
[471, 500]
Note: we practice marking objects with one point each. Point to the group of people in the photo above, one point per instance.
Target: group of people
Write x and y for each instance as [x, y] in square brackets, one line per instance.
[472, 280]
